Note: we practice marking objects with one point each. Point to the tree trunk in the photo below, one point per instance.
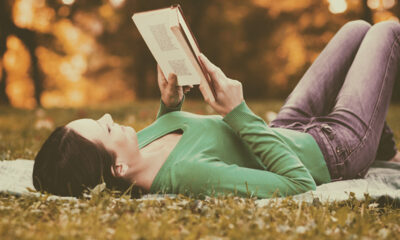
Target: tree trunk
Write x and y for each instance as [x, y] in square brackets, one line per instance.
[4, 100]
[367, 12]
[4, 31]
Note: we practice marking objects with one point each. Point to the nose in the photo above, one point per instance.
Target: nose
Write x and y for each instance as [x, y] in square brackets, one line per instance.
[106, 119]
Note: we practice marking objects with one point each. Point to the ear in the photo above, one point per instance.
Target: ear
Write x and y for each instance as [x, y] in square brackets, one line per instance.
[119, 170]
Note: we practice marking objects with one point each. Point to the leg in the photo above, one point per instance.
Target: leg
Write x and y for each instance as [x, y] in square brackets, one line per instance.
[364, 98]
[316, 92]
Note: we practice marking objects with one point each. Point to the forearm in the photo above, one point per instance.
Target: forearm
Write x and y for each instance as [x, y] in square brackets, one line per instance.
[270, 148]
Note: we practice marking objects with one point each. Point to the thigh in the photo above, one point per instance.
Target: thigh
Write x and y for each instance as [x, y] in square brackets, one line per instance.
[315, 93]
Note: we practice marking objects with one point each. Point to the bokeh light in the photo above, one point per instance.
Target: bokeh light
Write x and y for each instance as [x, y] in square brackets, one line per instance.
[373, 4]
[337, 6]
[68, 2]
[117, 3]
[387, 4]
[381, 4]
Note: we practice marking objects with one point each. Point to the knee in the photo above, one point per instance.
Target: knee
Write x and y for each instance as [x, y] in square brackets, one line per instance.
[357, 25]
[386, 29]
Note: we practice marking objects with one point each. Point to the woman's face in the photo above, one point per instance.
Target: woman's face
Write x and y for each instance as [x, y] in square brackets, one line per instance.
[121, 140]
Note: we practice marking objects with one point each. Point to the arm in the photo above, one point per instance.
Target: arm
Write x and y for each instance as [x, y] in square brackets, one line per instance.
[172, 95]
[214, 177]
[290, 175]
[285, 174]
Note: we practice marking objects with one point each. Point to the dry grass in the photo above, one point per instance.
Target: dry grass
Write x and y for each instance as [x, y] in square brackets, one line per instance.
[105, 217]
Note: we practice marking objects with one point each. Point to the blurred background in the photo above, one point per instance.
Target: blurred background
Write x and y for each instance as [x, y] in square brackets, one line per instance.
[74, 53]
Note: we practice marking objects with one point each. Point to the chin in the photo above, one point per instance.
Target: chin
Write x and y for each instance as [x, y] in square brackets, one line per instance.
[131, 132]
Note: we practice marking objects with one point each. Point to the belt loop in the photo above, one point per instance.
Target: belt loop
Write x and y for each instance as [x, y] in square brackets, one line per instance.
[307, 128]
[328, 129]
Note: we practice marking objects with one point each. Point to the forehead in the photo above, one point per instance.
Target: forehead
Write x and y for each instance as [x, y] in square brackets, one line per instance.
[87, 128]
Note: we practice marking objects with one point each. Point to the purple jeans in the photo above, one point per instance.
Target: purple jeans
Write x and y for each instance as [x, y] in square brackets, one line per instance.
[343, 98]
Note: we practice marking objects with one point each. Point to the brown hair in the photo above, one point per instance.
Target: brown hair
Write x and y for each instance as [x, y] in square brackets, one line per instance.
[68, 163]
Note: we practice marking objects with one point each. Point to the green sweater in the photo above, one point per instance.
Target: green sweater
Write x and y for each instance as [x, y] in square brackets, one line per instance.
[236, 154]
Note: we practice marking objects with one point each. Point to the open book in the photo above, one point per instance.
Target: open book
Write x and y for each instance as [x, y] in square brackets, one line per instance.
[173, 45]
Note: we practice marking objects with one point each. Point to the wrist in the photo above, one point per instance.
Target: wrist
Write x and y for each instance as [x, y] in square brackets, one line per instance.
[172, 102]
[230, 109]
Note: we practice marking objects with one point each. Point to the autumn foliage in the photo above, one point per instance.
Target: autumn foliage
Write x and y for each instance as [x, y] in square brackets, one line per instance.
[79, 52]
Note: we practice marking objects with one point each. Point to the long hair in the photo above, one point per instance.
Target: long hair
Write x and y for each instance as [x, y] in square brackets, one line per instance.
[68, 163]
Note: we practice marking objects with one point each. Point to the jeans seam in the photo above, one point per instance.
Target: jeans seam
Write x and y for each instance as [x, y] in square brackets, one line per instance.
[362, 142]
[396, 36]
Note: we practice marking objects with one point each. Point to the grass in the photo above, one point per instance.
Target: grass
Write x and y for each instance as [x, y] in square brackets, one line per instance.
[105, 217]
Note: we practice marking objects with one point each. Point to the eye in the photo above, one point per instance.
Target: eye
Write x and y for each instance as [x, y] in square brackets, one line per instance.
[108, 129]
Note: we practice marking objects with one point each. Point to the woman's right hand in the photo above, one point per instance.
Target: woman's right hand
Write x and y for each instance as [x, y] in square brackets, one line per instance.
[228, 92]
[171, 93]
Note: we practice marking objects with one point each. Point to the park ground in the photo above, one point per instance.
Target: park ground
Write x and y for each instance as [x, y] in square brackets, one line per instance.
[105, 217]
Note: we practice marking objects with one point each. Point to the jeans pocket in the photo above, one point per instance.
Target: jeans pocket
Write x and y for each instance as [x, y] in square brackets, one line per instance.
[338, 147]
[337, 140]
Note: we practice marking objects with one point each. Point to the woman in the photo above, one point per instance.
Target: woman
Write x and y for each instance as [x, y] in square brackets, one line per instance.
[331, 127]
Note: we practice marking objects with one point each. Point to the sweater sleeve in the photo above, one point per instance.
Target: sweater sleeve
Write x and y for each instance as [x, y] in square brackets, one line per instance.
[285, 174]
[212, 177]
[276, 155]
[164, 109]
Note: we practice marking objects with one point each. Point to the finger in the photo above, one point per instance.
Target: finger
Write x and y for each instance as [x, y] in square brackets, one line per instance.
[160, 73]
[160, 76]
[204, 93]
[172, 80]
[215, 72]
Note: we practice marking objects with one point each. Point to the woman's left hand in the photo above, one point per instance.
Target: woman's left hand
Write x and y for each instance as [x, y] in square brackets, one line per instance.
[171, 93]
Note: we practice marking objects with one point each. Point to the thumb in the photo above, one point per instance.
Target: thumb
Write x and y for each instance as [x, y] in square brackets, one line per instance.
[207, 63]
[160, 76]
[172, 81]
[215, 72]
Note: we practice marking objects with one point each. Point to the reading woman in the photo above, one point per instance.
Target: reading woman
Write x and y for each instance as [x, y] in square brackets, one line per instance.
[331, 127]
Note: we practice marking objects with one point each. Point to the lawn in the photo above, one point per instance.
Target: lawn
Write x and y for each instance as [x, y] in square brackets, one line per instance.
[105, 217]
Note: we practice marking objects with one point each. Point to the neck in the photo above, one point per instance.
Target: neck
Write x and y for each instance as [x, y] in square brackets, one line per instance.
[143, 170]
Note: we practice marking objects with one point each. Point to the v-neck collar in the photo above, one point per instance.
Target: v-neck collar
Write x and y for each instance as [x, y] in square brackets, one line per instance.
[161, 127]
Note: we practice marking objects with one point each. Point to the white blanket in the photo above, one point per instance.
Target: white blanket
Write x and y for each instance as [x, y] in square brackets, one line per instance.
[383, 179]
[16, 176]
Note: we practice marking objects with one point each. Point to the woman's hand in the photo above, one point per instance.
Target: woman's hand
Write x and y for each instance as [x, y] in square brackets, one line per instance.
[229, 92]
[171, 93]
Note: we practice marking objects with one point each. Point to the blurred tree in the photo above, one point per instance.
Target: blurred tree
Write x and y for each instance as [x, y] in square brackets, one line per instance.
[90, 50]
[28, 37]
[367, 12]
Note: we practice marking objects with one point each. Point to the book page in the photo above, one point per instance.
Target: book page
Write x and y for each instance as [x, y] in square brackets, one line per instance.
[155, 28]
[160, 34]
